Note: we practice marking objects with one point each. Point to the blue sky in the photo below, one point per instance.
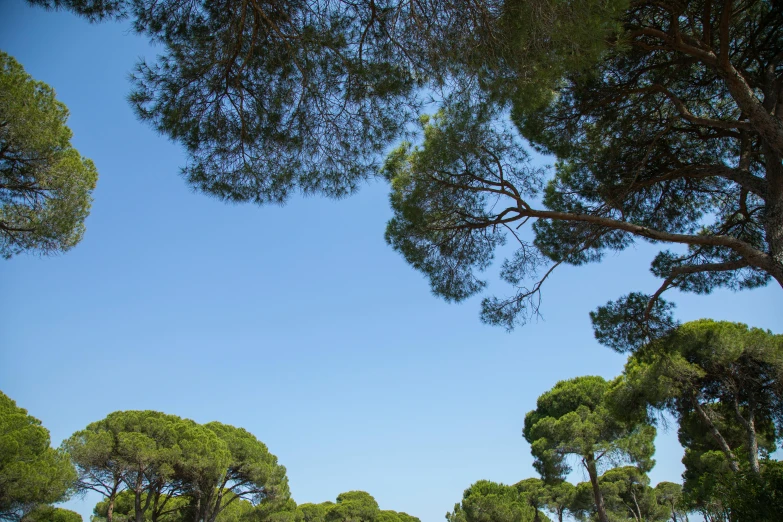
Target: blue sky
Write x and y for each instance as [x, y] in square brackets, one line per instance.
[297, 323]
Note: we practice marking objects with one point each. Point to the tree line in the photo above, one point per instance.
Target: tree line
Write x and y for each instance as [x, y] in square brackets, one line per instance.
[719, 381]
[150, 466]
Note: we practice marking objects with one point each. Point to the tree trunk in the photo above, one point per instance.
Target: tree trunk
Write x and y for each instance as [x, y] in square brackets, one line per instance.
[750, 429]
[110, 511]
[773, 213]
[768, 126]
[138, 490]
[724, 446]
[154, 513]
[599, 498]
[112, 498]
[638, 514]
[753, 445]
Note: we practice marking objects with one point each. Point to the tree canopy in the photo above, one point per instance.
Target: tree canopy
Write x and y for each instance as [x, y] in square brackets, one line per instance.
[351, 506]
[52, 514]
[45, 184]
[628, 494]
[715, 377]
[573, 419]
[665, 120]
[487, 501]
[722, 382]
[250, 473]
[174, 467]
[32, 473]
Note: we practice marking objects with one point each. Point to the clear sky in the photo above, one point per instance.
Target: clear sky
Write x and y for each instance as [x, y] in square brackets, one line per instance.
[297, 323]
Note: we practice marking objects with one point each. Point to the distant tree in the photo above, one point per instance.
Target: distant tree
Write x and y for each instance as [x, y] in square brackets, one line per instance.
[175, 469]
[536, 493]
[278, 511]
[664, 116]
[487, 501]
[93, 452]
[583, 504]
[718, 378]
[148, 448]
[706, 466]
[314, 512]
[134, 451]
[125, 511]
[249, 473]
[52, 514]
[722, 382]
[573, 419]
[387, 515]
[628, 495]
[32, 473]
[45, 184]
[351, 506]
[561, 496]
[753, 496]
[669, 494]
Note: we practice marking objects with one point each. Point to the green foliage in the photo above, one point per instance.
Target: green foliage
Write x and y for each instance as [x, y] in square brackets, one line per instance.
[32, 473]
[52, 514]
[45, 184]
[628, 496]
[278, 511]
[250, 473]
[583, 506]
[314, 512]
[753, 496]
[124, 509]
[659, 135]
[630, 322]
[573, 419]
[561, 499]
[669, 495]
[432, 198]
[211, 473]
[352, 506]
[267, 101]
[487, 501]
[715, 491]
[654, 141]
[721, 380]
[536, 493]
[663, 130]
[527, 500]
[168, 468]
[147, 452]
[176, 510]
[545, 41]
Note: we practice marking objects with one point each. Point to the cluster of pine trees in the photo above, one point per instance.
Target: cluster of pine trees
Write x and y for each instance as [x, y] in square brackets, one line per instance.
[153, 467]
[720, 382]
